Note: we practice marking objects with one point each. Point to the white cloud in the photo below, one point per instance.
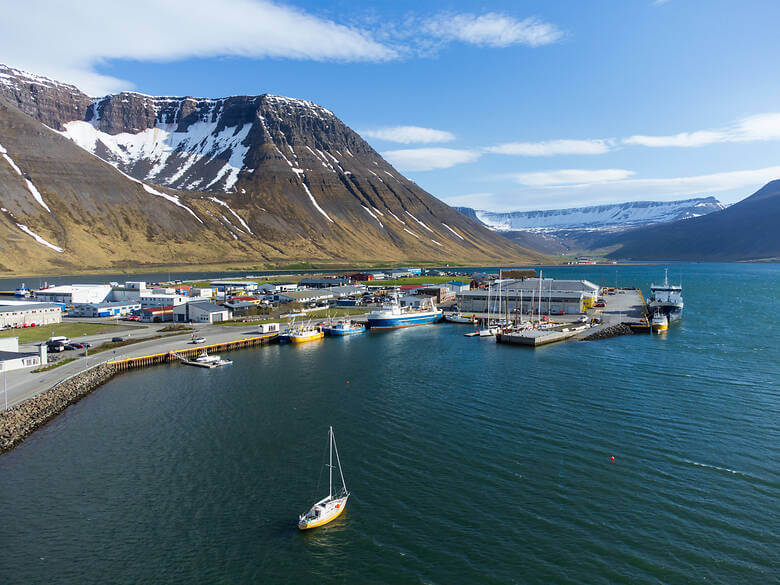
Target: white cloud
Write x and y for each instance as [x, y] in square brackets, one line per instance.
[428, 159]
[409, 134]
[492, 30]
[551, 147]
[570, 177]
[67, 40]
[750, 129]
[475, 200]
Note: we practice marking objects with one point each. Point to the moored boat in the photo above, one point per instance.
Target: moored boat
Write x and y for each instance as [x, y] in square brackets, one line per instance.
[458, 318]
[210, 361]
[392, 315]
[666, 298]
[333, 505]
[660, 322]
[347, 327]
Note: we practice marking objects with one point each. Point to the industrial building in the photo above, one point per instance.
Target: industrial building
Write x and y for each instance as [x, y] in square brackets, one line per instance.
[29, 315]
[325, 282]
[112, 309]
[555, 297]
[304, 296]
[200, 312]
[75, 294]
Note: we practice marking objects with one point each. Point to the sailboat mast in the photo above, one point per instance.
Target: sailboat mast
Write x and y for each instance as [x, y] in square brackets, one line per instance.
[330, 463]
[338, 460]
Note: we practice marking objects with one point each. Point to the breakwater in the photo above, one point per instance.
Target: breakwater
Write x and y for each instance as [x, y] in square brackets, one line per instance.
[17, 423]
[611, 331]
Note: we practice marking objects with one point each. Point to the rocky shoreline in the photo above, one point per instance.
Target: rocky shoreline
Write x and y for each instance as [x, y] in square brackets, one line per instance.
[611, 331]
[19, 422]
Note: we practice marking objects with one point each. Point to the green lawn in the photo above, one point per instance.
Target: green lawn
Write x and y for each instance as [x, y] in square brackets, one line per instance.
[72, 330]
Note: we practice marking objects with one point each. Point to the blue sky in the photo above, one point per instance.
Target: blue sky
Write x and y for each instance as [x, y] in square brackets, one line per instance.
[495, 105]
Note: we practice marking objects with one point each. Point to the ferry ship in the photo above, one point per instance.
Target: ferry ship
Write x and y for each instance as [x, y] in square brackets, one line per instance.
[666, 299]
[392, 315]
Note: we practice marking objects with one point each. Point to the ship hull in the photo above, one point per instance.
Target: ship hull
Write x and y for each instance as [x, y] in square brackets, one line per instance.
[396, 322]
[341, 332]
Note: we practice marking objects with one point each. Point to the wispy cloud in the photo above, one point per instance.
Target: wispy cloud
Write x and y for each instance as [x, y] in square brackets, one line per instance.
[409, 134]
[753, 128]
[492, 30]
[551, 147]
[570, 177]
[241, 28]
[429, 159]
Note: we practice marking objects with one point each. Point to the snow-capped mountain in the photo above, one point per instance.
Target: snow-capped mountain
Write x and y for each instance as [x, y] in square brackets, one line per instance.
[616, 216]
[267, 178]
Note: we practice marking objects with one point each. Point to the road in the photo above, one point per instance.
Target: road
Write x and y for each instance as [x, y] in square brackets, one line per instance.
[23, 384]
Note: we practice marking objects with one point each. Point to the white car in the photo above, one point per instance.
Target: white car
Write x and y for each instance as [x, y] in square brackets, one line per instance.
[198, 340]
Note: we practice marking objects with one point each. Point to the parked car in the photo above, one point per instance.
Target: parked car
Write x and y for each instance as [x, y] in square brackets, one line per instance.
[70, 347]
[117, 339]
[55, 347]
[198, 340]
[77, 345]
[600, 304]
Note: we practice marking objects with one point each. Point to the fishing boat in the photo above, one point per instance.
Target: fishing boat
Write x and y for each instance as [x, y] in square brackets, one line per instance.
[392, 315]
[346, 327]
[302, 333]
[660, 322]
[458, 318]
[22, 292]
[330, 507]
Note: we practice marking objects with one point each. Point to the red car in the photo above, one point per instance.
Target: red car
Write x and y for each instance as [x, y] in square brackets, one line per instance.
[600, 304]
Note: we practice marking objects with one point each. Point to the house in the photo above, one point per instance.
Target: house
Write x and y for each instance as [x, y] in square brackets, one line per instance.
[412, 270]
[12, 359]
[201, 312]
[239, 307]
[75, 294]
[29, 315]
[439, 293]
[457, 286]
[347, 290]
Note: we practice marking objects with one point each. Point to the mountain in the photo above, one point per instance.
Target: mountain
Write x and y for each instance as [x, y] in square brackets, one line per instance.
[599, 217]
[575, 230]
[748, 230]
[132, 181]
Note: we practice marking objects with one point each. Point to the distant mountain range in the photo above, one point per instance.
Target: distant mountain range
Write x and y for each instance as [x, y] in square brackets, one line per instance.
[563, 231]
[599, 217]
[134, 181]
[748, 230]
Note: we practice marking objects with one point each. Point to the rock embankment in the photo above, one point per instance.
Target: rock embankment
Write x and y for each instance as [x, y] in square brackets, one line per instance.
[611, 331]
[17, 423]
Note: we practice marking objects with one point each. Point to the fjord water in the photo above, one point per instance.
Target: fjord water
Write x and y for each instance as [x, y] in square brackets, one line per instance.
[468, 461]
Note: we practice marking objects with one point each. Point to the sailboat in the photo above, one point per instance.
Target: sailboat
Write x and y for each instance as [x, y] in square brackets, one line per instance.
[328, 508]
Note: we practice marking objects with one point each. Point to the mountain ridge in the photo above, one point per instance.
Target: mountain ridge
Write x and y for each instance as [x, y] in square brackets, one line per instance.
[265, 177]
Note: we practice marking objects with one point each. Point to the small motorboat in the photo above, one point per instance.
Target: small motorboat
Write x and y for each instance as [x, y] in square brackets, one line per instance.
[210, 361]
[458, 318]
[660, 322]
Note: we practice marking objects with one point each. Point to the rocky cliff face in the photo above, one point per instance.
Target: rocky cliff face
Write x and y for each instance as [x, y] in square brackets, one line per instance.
[263, 178]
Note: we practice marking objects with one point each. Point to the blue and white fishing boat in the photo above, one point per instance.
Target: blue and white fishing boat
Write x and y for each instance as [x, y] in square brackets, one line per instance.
[392, 315]
[22, 292]
[346, 327]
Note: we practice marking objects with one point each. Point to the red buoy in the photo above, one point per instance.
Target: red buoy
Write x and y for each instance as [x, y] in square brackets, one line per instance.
[611, 458]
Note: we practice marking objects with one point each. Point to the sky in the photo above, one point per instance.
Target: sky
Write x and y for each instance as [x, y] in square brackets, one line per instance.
[497, 105]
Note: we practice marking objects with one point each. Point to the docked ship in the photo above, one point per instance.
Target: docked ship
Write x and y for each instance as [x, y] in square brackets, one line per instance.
[302, 333]
[392, 315]
[347, 327]
[666, 299]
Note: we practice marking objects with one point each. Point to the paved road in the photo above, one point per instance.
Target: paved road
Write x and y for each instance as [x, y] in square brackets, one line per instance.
[23, 384]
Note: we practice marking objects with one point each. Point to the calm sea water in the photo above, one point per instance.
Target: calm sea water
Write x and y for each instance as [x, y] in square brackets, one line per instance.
[468, 461]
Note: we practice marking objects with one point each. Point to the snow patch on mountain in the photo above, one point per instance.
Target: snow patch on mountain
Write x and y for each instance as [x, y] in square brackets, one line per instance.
[28, 183]
[600, 217]
[171, 154]
[38, 238]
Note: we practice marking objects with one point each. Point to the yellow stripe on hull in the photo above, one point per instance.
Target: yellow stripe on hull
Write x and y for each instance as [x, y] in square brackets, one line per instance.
[303, 339]
[322, 522]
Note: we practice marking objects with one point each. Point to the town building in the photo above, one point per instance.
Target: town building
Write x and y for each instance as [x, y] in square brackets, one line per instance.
[12, 359]
[311, 295]
[110, 309]
[557, 297]
[75, 294]
[30, 315]
[157, 314]
[200, 312]
[324, 282]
